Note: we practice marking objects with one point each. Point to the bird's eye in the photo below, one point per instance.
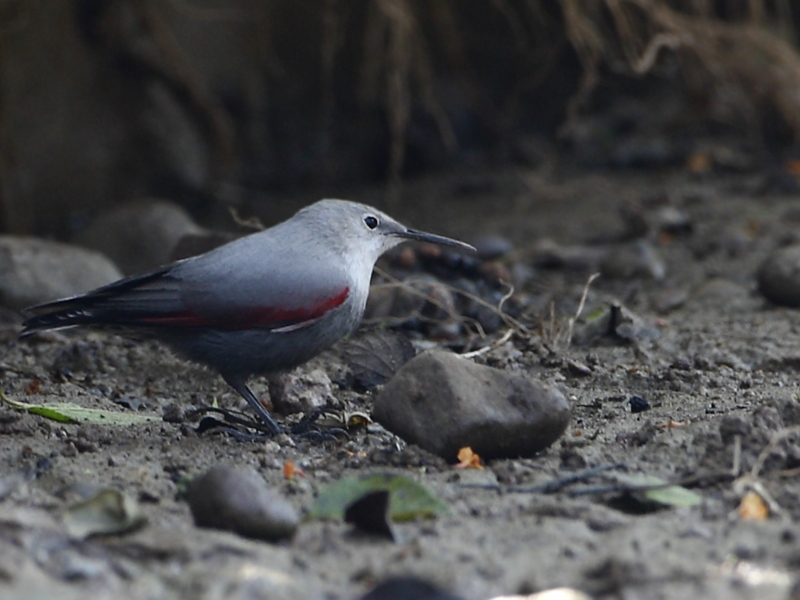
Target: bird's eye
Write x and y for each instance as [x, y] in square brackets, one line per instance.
[371, 221]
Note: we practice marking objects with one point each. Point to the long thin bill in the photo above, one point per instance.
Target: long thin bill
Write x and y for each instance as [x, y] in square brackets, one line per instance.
[432, 238]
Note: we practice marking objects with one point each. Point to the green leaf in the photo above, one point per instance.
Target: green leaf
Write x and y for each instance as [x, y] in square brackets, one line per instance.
[653, 489]
[69, 412]
[407, 498]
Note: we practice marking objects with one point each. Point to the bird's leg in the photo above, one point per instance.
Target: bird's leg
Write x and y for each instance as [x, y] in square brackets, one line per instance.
[240, 386]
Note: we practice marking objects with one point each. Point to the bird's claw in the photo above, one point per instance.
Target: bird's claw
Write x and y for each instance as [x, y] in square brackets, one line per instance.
[240, 427]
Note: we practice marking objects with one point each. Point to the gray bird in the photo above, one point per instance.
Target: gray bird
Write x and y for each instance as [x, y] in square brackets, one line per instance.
[263, 303]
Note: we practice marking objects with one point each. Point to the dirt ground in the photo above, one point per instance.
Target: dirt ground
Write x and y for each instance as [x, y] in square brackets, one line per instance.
[720, 373]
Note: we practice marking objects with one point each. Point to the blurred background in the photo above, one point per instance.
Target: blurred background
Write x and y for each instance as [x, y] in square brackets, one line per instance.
[214, 104]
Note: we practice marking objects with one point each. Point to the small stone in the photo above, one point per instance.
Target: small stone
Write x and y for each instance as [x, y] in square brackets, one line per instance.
[300, 391]
[419, 295]
[637, 260]
[577, 368]
[139, 236]
[238, 500]
[732, 425]
[779, 277]
[672, 221]
[668, 299]
[492, 247]
[638, 404]
[442, 402]
[33, 271]
[174, 413]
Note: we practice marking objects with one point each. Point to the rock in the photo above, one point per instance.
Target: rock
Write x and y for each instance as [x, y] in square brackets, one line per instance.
[139, 236]
[442, 402]
[238, 500]
[637, 260]
[722, 293]
[417, 296]
[492, 247]
[779, 276]
[299, 391]
[617, 322]
[405, 588]
[33, 271]
[548, 254]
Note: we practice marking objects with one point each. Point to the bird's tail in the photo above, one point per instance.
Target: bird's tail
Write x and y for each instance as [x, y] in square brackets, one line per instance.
[56, 315]
[111, 305]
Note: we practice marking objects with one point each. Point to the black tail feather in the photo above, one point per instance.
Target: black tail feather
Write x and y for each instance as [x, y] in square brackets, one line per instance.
[93, 308]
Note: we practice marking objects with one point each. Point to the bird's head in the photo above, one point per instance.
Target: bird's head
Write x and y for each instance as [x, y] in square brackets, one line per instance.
[368, 231]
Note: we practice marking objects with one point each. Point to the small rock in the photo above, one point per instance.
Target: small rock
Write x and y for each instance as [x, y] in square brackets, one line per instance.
[405, 588]
[638, 404]
[732, 425]
[33, 271]
[673, 221]
[299, 391]
[442, 402]
[635, 260]
[492, 247]
[174, 413]
[139, 236]
[779, 277]
[418, 295]
[577, 368]
[617, 322]
[547, 253]
[238, 500]
[723, 294]
[668, 299]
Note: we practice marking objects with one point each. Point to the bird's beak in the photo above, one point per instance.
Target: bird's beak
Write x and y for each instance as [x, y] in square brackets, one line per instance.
[431, 238]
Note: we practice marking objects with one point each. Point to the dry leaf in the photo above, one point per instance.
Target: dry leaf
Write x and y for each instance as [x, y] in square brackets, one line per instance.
[792, 167]
[467, 459]
[673, 424]
[33, 387]
[289, 470]
[753, 507]
[699, 162]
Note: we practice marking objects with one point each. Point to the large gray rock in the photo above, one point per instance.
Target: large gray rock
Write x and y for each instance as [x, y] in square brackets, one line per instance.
[33, 270]
[779, 276]
[141, 235]
[442, 402]
[238, 500]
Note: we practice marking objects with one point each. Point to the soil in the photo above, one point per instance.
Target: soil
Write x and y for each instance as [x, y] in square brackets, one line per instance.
[720, 374]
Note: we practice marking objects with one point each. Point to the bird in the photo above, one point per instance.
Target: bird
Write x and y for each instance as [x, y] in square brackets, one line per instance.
[263, 303]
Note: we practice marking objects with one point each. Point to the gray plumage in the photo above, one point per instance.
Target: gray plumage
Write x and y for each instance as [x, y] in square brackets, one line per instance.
[266, 302]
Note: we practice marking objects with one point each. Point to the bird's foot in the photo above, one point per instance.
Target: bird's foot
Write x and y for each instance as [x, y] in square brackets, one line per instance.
[245, 429]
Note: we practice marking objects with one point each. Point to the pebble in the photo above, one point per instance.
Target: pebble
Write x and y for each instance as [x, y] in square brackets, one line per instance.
[443, 402]
[492, 247]
[302, 391]
[637, 260]
[139, 236]
[779, 276]
[407, 587]
[33, 271]
[418, 295]
[238, 499]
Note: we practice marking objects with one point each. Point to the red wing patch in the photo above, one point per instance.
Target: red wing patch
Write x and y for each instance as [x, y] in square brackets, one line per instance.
[250, 318]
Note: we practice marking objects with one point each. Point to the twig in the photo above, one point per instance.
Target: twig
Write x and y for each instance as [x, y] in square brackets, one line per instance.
[776, 439]
[495, 344]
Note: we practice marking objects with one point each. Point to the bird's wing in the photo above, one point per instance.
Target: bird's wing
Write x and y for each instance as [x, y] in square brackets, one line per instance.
[203, 292]
[122, 303]
[226, 290]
